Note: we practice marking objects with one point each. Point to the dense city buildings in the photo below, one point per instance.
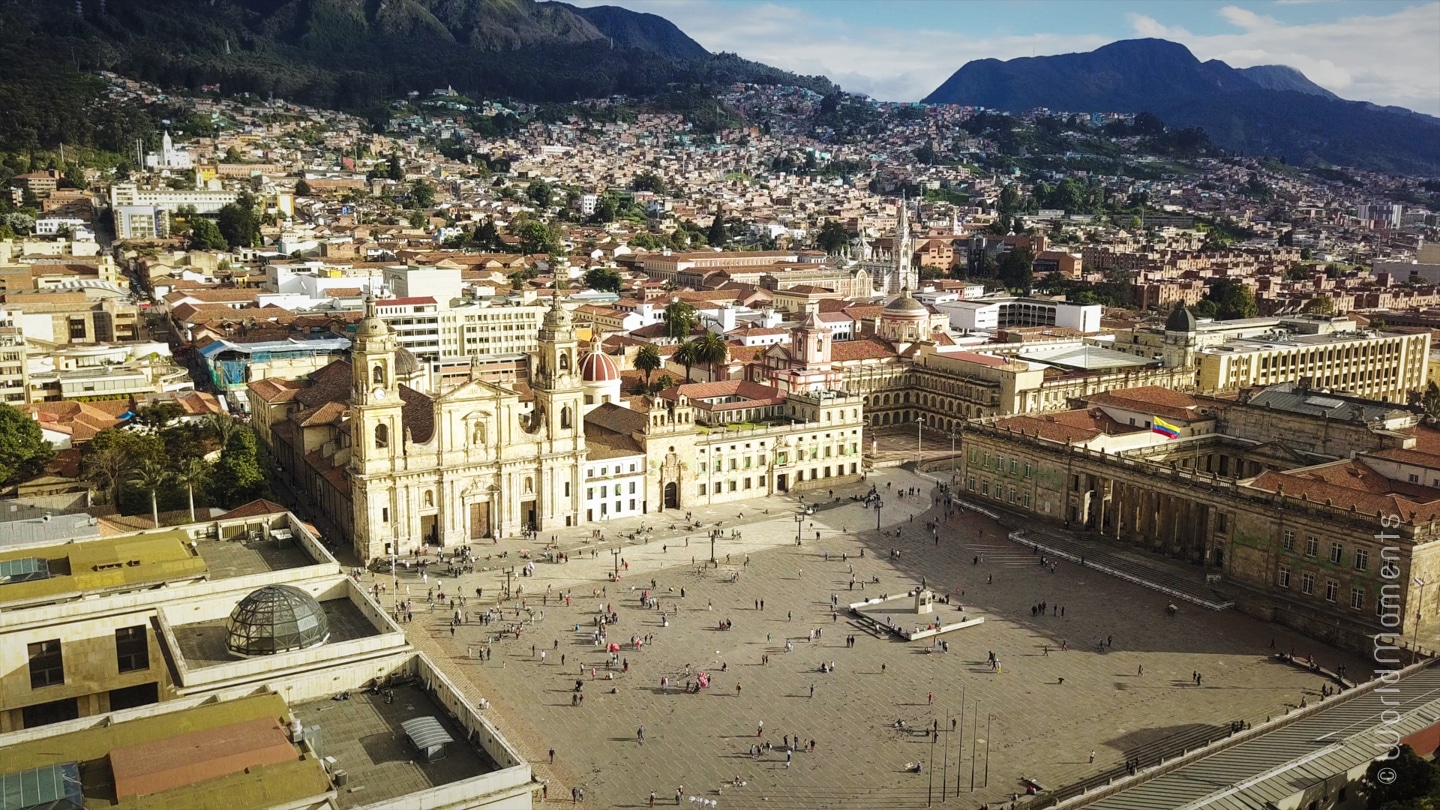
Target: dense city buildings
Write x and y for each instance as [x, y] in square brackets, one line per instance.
[334, 446]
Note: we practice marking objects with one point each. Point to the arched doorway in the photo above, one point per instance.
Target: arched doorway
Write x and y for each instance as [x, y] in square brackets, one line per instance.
[672, 496]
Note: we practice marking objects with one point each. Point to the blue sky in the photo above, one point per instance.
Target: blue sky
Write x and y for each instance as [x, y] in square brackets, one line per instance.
[1385, 51]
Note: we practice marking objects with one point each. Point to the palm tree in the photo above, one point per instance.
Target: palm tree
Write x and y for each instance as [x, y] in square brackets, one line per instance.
[647, 360]
[712, 350]
[688, 354]
[151, 476]
[223, 425]
[188, 473]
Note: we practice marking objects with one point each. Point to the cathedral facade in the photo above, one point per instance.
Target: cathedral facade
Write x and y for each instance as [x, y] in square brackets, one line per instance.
[475, 461]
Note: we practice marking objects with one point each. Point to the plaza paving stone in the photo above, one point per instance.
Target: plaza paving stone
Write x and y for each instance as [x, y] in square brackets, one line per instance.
[1038, 725]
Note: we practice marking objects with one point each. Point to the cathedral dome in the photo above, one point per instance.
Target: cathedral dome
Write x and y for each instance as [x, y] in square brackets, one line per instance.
[276, 619]
[371, 326]
[904, 305]
[598, 367]
[557, 318]
[1180, 320]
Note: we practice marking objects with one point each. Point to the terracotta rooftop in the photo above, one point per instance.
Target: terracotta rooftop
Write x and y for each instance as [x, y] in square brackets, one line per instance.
[1351, 483]
[1152, 398]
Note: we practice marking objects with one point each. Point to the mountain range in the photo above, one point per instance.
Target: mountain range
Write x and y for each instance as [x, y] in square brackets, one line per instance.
[359, 54]
[349, 54]
[1269, 110]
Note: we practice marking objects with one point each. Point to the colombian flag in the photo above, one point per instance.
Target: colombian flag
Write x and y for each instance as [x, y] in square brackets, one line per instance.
[1166, 429]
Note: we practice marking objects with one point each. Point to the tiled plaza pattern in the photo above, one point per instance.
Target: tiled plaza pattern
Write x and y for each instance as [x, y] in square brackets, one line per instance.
[1040, 726]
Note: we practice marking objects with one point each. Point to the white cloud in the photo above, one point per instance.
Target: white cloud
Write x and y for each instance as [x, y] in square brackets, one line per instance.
[1245, 18]
[1388, 59]
[885, 63]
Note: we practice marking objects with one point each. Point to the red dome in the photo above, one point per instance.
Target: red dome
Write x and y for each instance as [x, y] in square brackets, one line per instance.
[597, 367]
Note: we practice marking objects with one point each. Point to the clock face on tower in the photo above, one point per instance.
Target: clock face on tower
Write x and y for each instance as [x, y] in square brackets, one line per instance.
[379, 393]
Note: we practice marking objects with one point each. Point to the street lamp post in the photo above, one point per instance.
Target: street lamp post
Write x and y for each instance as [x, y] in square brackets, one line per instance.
[615, 552]
[800, 521]
[919, 431]
[953, 435]
[714, 535]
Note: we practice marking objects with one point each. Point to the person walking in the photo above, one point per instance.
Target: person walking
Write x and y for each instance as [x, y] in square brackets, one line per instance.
[812, 691]
[552, 756]
[639, 738]
[1140, 670]
[1092, 757]
[931, 699]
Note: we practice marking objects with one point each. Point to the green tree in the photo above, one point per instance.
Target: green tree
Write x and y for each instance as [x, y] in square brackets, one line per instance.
[190, 473]
[537, 237]
[1017, 268]
[1322, 305]
[1411, 779]
[540, 193]
[159, 415]
[648, 360]
[833, 236]
[418, 219]
[603, 278]
[238, 225]
[665, 383]
[23, 449]
[393, 169]
[422, 194]
[1232, 299]
[239, 477]
[109, 460]
[648, 181]
[688, 355]
[605, 211]
[680, 319]
[150, 476]
[712, 350]
[1009, 199]
[222, 427]
[302, 188]
[205, 235]
[717, 236]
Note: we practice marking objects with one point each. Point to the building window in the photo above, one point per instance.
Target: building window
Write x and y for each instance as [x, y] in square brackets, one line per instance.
[702, 489]
[1289, 540]
[1336, 552]
[1284, 577]
[1222, 522]
[1312, 545]
[47, 666]
[1332, 590]
[1357, 598]
[132, 648]
[384, 514]
[1307, 583]
[382, 437]
[1362, 559]
[567, 489]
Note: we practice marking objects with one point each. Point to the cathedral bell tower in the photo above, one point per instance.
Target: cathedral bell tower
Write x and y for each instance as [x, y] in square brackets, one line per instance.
[375, 393]
[377, 436]
[559, 392]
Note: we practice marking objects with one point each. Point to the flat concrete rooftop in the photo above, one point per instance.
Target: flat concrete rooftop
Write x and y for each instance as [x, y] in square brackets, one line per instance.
[365, 737]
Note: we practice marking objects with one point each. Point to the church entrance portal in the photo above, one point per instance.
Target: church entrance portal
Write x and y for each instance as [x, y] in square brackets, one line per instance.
[782, 483]
[428, 530]
[479, 520]
[672, 496]
[527, 513]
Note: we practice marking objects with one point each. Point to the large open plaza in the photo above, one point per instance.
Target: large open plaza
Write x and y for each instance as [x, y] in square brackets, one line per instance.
[1056, 707]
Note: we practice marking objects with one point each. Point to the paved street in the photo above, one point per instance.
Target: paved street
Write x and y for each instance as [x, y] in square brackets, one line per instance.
[1038, 726]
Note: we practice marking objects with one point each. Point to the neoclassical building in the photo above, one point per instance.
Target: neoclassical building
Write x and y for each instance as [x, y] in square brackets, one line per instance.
[445, 468]
[394, 467]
